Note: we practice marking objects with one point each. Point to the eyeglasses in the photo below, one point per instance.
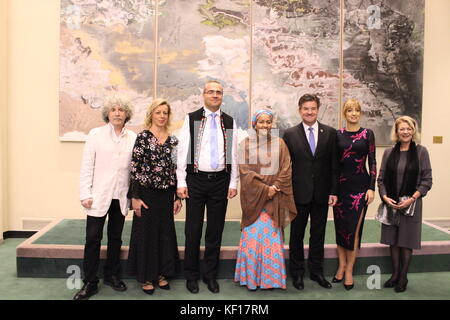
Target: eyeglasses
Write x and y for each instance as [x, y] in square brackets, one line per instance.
[211, 92]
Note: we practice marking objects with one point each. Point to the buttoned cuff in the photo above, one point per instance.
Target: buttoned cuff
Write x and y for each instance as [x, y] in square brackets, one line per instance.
[181, 184]
[233, 185]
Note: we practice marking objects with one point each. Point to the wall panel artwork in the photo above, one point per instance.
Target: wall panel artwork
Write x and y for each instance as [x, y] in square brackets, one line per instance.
[106, 51]
[201, 40]
[296, 50]
[383, 60]
[266, 53]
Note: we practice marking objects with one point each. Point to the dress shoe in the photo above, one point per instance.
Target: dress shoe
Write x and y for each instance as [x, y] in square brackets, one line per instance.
[213, 286]
[192, 286]
[148, 291]
[320, 280]
[336, 280]
[391, 283]
[298, 283]
[164, 287]
[401, 286]
[88, 290]
[349, 286]
[115, 283]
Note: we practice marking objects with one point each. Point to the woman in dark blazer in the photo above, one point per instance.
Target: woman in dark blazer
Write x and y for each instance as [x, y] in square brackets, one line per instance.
[405, 172]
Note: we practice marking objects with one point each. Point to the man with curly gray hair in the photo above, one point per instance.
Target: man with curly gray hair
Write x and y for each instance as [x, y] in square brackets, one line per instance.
[104, 182]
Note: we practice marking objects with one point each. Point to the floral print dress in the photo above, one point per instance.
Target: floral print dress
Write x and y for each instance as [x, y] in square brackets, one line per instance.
[153, 250]
[355, 149]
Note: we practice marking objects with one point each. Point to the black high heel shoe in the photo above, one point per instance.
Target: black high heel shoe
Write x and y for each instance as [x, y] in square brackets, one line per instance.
[401, 286]
[164, 287]
[391, 283]
[349, 286]
[148, 291]
[336, 280]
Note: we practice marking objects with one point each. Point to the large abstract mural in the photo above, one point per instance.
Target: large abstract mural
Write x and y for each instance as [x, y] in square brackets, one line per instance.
[383, 60]
[266, 53]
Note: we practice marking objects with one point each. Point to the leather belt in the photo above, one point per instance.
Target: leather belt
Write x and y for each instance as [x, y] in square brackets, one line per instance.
[212, 175]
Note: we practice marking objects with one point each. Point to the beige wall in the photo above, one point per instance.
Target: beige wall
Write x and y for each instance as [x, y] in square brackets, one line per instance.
[43, 172]
[3, 112]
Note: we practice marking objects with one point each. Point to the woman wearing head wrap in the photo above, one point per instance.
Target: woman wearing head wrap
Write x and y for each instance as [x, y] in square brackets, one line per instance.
[267, 206]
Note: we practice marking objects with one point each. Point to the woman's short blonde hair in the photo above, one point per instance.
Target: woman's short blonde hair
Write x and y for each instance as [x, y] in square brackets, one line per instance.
[351, 103]
[410, 122]
[155, 104]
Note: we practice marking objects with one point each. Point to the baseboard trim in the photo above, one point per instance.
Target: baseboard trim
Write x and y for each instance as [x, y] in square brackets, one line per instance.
[17, 234]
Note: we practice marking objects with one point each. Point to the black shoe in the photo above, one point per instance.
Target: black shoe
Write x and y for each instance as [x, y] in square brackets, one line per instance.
[298, 283]
[148, 291]
[164, 287]
[349, 286]
[336, 280]
[401, 286]
[88, 290]
[213, 286]
[320, 280]
[391, 283]
[115, 283]
[192, 286]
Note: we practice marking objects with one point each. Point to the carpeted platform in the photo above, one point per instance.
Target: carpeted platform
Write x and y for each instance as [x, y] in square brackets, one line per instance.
[52, 250]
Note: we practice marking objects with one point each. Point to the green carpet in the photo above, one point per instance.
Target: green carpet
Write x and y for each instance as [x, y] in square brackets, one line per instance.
[422, 286]
[73, 232]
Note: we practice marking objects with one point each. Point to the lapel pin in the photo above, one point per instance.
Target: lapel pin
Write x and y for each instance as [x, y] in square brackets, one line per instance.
[321, 130]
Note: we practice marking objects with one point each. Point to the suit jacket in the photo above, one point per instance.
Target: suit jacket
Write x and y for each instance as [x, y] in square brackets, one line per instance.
[314, 177]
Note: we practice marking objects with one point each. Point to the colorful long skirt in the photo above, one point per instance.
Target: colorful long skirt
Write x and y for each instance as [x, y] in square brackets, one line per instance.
[260, 260]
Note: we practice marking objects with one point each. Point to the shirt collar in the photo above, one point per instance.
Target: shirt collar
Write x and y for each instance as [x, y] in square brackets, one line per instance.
[208, 112]
[113, 133]
[315, 126]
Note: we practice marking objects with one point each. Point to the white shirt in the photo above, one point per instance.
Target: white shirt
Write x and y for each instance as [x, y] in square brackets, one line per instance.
[315, 131]
[105, 169]
[204, 162]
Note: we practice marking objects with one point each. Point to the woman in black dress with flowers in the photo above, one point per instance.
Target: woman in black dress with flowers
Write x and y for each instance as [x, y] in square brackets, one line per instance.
[153, 253]
[356, 189]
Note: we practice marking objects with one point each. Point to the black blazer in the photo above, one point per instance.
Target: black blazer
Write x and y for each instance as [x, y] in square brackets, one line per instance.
[316, 177]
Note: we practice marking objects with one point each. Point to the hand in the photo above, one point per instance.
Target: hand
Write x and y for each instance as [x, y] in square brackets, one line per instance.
[232, 193]
[405, 203]
[87, 203]
[272, 191]
[137, 204]
[177, 205]
[390, 202]
[182, 193]
[332, 200]
[369, 196]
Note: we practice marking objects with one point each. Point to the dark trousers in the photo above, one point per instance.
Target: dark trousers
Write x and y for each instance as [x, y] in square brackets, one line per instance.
[94, 235]
[211, 192]
[318, 214]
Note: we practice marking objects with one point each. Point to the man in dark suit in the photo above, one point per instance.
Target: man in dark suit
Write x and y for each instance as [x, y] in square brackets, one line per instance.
[312, 146]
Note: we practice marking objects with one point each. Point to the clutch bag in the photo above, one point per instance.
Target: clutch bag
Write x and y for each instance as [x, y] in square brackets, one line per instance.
[387, 215]
[409, 212]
